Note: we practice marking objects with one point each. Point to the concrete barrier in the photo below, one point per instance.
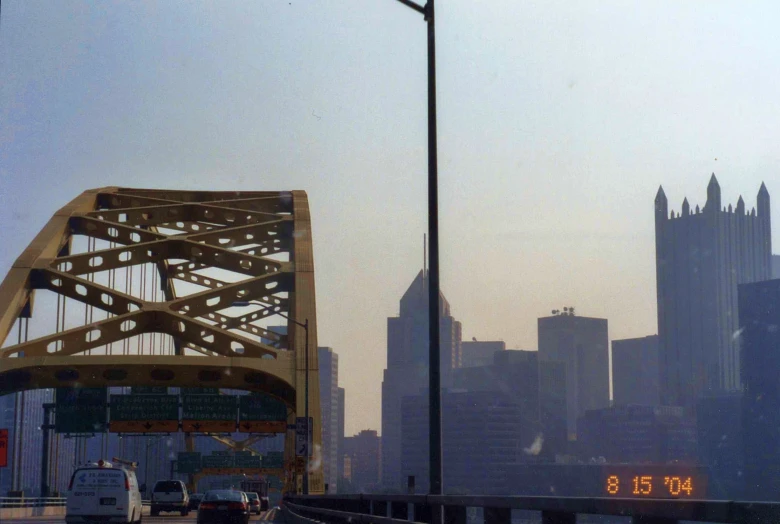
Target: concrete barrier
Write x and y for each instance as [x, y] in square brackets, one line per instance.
[49, 511]
[293, 518]
[20, 513]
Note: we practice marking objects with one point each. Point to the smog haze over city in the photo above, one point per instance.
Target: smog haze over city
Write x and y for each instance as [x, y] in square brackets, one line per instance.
[558, 122]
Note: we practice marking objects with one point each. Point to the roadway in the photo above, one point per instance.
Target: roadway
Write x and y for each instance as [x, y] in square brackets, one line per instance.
[273, 515]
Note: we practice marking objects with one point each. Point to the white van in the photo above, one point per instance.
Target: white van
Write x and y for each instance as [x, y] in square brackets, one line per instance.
[103, 492]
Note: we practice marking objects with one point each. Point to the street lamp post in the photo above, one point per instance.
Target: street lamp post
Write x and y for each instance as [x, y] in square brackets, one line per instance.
[146, 466]
[434, 377]
[305, 326]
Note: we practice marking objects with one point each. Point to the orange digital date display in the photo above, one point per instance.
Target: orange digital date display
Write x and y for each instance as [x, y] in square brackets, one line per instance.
[652, 486]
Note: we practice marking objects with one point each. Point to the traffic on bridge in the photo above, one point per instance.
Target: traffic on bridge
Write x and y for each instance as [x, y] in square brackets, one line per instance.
[272, 515]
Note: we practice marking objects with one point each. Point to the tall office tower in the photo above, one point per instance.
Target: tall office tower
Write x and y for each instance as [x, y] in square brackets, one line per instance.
[61, 453]
[638, 434]
[759, 318]
[719, 430]
[31, 439]
[701, 257]
[7, 421]
[364, 452]
[537, 388]
[635, 371]
[582, 344]
[552, 408]
[407, 366]
[479, 353]
[22, 414]
[775, 266]
[482, 441]
[340, 438]
[329, 411]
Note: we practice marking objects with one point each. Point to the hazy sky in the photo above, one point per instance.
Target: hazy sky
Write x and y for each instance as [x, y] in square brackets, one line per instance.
[557, 123]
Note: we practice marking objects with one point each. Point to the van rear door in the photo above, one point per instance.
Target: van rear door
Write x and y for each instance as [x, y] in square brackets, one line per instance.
[112, 498]
[83, 496]
[98, 492]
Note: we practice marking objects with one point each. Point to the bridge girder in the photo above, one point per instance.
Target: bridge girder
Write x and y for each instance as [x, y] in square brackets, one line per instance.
[214, 252]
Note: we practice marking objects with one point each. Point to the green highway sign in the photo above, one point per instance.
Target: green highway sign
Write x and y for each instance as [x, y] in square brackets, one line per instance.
[248, 461]
[148, 390]
[261, 414]
[188, 462]
[261, 408]
[217, 461]
[144, 407]
[209, 407]
[80, 410]
[205, 413]
[200, 391]
[273, 459]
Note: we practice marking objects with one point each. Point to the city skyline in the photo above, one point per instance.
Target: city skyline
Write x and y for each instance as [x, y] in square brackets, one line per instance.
[553, 141]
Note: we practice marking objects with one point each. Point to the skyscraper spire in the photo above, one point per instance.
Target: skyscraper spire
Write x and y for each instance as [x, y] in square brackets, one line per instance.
[686, 208]
[762, 203]
[740, 206]
[713, 195]
[661, 204]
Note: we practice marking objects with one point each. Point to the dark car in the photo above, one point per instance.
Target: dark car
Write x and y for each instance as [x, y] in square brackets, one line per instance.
[195, 499]
[254, 502]
[223, 506]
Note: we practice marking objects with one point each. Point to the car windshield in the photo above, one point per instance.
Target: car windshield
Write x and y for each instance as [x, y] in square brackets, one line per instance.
[223, 495]
[168, 486]
[252, 496]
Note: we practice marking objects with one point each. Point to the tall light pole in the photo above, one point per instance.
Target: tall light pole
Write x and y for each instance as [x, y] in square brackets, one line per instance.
[434, 357]
[146, 465]
[305, 326]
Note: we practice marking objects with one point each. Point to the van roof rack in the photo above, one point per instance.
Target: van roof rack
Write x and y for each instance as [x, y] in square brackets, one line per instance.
[128, 463]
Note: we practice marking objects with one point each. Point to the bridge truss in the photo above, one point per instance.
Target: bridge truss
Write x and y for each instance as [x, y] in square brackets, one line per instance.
[172, 288]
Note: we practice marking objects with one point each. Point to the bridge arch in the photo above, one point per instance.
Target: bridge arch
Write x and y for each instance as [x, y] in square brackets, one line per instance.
[224, 282]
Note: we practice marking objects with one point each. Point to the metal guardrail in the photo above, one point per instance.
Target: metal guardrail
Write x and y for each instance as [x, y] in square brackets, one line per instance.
[31, 502]
[395, 509]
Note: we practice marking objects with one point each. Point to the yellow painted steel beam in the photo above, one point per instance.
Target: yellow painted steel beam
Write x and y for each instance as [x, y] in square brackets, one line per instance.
[271, 376]
[187, 236]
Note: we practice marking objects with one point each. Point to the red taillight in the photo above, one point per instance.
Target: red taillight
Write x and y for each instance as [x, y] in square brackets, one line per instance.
[237, 505]
[127, 484]
[256, 502]
[207, 505]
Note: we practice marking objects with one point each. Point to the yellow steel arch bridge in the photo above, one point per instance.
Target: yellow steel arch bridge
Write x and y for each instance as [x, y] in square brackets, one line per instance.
[177, 288]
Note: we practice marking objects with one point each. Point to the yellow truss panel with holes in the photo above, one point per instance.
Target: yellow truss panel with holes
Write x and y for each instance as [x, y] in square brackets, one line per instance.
[223, 265]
